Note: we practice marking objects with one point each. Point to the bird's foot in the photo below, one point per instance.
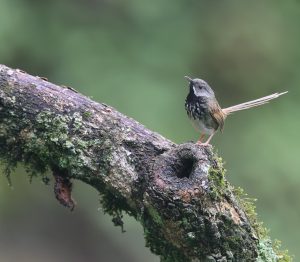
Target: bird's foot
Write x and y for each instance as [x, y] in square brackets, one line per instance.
[203, 144]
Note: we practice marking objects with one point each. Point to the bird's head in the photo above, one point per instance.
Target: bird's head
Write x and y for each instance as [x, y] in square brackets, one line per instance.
[199, 87]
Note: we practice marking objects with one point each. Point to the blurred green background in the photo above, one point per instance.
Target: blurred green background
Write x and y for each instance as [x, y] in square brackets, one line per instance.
[133, 55]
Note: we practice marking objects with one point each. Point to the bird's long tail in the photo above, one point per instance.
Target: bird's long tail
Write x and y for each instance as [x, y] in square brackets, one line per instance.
[250, 104]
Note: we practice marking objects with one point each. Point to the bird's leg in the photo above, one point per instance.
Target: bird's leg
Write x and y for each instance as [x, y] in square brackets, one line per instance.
[200, 139]
[208, 140]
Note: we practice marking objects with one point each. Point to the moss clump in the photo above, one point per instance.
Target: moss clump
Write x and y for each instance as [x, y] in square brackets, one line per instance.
[268, 251]
[282, 255]
[87, 114]
[114, 204]
[218, 184]
[50, 140]
[157, 242]
[155, 215]
[49, 143]
[250, 210]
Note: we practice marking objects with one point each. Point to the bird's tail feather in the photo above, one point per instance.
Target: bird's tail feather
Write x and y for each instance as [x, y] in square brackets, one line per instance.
[250, 104]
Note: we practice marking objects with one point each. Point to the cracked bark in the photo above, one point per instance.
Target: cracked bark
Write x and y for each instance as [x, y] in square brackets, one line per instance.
[178, 192]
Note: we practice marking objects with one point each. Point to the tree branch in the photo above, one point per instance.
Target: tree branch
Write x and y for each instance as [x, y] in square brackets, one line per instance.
[178, 192]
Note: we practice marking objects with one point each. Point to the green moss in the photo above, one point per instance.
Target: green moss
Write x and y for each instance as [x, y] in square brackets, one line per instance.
[49, 143]
[55, 141]
[52, 141]
[87, 114]
[114, 204]
[155, 215]
[6, 170]
[158, 244]
[268, 252]
[282, 255]
[218, 185]
[265, 251]
[250, 210]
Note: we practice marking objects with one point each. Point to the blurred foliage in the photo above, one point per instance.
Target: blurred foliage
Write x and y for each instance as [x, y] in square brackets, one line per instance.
[133, 55]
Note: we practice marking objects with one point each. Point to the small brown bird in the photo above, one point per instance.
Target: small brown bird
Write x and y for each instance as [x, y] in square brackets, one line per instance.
[205, 112]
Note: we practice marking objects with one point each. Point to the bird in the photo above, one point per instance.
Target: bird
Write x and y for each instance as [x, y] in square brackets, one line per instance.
[205, 112]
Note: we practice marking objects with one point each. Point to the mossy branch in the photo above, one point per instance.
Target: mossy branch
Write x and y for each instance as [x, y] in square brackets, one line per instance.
[178, 192]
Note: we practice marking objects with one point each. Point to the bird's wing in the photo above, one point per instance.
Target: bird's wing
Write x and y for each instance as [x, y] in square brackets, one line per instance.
[216, 113]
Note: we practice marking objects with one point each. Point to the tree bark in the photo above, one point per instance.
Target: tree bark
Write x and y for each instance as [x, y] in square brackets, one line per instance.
[178, 192]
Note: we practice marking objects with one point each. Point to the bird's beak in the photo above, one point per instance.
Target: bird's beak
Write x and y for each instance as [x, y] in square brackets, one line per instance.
[188, 78]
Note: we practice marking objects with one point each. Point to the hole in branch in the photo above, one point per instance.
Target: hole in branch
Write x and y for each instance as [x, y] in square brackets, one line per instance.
[185, 168]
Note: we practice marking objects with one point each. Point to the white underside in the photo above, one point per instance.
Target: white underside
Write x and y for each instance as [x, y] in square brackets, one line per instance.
[199, 126]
